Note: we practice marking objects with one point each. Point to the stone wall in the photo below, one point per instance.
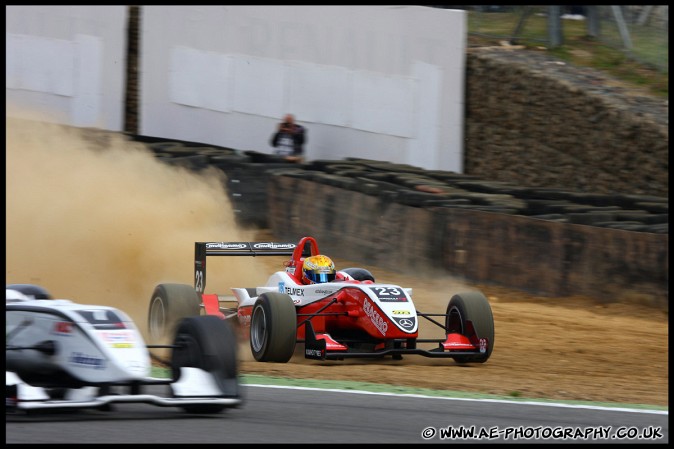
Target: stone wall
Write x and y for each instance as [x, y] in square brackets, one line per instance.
[538, 122]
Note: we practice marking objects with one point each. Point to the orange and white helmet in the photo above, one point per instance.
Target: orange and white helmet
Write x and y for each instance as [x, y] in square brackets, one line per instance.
[318, 269]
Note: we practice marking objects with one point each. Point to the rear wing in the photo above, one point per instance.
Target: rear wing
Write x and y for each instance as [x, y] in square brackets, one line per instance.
[204, 249]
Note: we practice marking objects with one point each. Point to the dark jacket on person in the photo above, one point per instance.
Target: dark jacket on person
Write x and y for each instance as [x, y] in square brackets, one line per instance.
[297, 138]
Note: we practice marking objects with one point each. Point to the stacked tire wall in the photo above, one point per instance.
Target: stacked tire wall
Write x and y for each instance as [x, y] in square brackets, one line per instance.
[545, 254]
[552, 242]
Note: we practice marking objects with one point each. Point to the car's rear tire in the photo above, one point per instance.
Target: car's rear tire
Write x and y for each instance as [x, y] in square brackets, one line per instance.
[209, 343]
[273, 328]
[473, 307]
[168, 305]
[359, 274]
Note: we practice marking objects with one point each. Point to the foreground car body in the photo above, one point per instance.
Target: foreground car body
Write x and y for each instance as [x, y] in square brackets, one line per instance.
[354, 317]
[60, 354]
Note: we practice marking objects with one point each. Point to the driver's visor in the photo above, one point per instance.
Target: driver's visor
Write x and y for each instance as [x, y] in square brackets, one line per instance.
[319, 278]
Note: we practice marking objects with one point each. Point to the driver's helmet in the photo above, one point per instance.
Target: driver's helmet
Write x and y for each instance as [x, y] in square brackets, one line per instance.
[318, 269]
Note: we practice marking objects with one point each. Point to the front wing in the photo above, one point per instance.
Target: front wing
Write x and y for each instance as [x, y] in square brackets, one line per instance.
[319, 347]
[194, 388]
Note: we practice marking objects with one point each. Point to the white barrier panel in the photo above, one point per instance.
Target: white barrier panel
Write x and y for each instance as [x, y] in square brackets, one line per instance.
[67, 64]
[380, 82]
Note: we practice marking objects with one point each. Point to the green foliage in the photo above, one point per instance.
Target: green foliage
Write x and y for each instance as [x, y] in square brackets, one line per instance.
[641, 67]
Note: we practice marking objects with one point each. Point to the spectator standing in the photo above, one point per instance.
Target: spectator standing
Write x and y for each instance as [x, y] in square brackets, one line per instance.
[289, 139]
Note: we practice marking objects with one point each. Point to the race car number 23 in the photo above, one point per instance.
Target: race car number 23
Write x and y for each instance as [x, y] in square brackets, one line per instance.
[389, 294]
[199, 281]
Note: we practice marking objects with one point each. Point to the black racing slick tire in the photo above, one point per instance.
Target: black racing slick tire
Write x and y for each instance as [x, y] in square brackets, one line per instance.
[207, 342]
[168, 305]
[273, 328]
[359, 274]
[470, 314]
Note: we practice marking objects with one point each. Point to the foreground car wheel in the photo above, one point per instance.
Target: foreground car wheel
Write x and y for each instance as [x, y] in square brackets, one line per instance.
[471, 307]
[273, 328]
[207, 342]
[168, 305]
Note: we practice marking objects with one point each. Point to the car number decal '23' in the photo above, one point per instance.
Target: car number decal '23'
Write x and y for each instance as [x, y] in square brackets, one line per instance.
[389, 294]
[199, 281]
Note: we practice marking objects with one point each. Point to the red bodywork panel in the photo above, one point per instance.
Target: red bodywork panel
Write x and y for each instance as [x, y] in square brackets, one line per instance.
[212, 305]
[458, 342]
[330, 344]
[353, 309]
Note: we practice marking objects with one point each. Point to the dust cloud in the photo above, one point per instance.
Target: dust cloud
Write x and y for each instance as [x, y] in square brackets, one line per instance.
[101, 221]
[94, 217]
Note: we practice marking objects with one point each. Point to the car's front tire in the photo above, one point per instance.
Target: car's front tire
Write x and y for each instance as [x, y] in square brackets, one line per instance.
[208, 343]
[168, 305]
[273, 328]
[473, 307]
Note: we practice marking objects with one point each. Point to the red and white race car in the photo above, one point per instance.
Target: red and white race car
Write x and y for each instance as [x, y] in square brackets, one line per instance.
[350, 316]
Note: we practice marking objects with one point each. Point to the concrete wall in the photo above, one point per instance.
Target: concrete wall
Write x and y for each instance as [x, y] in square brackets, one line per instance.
[67, 64]
[384, 82]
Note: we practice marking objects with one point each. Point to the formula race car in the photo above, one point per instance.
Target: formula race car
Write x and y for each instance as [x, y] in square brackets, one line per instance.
[63, 355]
[350, 316]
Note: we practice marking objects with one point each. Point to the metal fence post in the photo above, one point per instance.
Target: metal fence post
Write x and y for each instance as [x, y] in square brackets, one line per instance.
[622, 27]
[555, 26]
[593, 22]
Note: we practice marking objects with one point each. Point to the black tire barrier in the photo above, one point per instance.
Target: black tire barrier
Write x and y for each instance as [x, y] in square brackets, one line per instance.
[662, 228]
[560, 218]
[590, 218]
[336, 168]
[212, 152]
[229, 162]
[653, 207]
[623, 225]
[544, 255]
[265, 158]
[248, 173]
[366, 184]
[169, 147]
[196, 162]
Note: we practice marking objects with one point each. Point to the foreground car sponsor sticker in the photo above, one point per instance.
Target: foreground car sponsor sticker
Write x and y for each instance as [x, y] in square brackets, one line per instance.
[63, 328]
[118, 339]
[85, 360]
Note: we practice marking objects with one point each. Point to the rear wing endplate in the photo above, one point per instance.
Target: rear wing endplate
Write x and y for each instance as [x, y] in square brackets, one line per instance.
[204, 249]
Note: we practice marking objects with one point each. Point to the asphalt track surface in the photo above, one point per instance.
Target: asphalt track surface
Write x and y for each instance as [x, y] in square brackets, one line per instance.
[290, 414]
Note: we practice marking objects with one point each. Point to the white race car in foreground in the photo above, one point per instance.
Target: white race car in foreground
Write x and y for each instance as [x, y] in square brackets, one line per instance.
[62, 355]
